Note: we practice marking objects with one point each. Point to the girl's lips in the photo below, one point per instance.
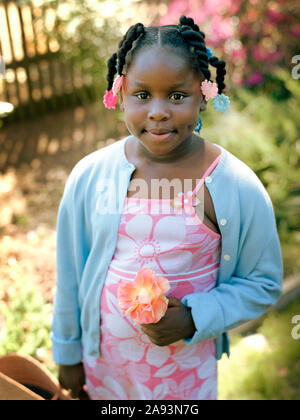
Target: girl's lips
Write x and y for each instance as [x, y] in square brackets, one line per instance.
[160, 137]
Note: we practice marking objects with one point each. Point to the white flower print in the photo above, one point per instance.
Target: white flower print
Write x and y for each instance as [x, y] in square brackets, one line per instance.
[185, 390]
[134, 343]
[140, 392]
[154, 247]
[114, 384]
[111, 390]
[184, 357]
[208, 390]
[207, 368]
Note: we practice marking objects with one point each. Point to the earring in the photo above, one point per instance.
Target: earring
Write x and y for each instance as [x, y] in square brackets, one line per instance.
[199, 125]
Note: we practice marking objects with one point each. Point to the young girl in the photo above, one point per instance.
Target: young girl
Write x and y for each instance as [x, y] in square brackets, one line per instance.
[220, 253]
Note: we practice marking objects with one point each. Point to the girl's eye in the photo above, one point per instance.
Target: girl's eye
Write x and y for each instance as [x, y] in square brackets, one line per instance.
[143, 96]
[177, 96]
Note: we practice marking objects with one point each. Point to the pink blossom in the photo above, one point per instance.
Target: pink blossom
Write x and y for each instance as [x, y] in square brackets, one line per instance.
[144, 298]
[239, 54]
[266, 56]
[274, 57]
[246, 29]
[110, 100]
[221, 28]
[275, 16]
[255, 78]
[259, 54]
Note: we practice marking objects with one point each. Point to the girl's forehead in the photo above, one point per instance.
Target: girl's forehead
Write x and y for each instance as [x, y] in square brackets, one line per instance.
[161, 63]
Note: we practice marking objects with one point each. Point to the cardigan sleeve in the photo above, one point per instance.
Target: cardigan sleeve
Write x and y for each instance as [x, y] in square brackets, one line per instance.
[71, 256]
[256, 282]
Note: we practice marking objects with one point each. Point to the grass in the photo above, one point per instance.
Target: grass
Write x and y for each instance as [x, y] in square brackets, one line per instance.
[267, 367]
[25, 322]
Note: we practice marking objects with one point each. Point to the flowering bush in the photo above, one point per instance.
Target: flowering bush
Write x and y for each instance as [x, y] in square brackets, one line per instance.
[253, 37]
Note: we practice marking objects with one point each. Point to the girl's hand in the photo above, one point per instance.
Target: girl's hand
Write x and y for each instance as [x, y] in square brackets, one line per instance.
[72, 378]
[176, 325]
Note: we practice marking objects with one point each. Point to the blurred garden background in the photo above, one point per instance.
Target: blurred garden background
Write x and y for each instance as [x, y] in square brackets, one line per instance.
[52, 79]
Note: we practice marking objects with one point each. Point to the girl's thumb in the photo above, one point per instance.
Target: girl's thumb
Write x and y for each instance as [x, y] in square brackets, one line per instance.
[173, 301]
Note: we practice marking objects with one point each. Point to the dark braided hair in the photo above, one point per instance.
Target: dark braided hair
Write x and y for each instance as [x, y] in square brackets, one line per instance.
[185, 36]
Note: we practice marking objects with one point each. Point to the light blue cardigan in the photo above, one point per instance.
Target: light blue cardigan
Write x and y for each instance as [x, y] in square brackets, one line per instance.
[250, 274]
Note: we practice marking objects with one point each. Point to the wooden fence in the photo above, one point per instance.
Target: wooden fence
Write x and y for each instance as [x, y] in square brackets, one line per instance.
[37, 78]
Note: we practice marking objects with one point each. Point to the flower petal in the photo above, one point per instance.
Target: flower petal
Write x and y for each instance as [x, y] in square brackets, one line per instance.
[118, 327]
[117, 84]
[142, 372]
[209, 89]
[126, 295]
[142, 314]
[207, 369]
[110, 100]
[125, 249]
[165, 371]
[178, 261]
[159, 308]
[207, 389]
[115, 387]
[160, 391]
[169, 231]
[132, 350]
[133, 227]
[140, 392]
[157, 356]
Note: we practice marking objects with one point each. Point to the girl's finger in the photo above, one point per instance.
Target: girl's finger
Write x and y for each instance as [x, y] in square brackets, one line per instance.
[174, 301]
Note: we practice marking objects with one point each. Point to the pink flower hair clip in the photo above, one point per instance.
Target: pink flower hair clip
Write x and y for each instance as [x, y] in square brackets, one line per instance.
[209, 89]
[111, 96]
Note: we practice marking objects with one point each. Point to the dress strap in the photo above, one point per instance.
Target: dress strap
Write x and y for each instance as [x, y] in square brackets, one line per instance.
[206, 173]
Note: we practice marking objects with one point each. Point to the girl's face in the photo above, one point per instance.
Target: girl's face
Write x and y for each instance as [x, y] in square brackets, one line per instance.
[161, 97]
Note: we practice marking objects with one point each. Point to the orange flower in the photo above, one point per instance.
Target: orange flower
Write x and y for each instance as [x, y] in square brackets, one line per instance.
[144, 299]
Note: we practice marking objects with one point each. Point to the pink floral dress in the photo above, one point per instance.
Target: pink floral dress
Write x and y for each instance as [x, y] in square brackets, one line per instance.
[131, 367]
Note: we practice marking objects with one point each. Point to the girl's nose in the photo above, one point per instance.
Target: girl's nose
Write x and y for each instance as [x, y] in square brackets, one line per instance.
[158, 111]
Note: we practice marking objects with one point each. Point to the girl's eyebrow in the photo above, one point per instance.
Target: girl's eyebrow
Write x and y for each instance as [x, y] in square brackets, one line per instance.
[175, 86]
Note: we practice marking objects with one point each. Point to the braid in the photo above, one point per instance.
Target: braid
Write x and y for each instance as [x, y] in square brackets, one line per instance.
[111, 64]
[184, 21]
[196, 40]
[132, 35]
[192, 34]
[220, 66]
[117, 61]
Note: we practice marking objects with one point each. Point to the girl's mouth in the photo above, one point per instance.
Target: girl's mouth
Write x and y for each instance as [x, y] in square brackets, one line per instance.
[159, 136]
